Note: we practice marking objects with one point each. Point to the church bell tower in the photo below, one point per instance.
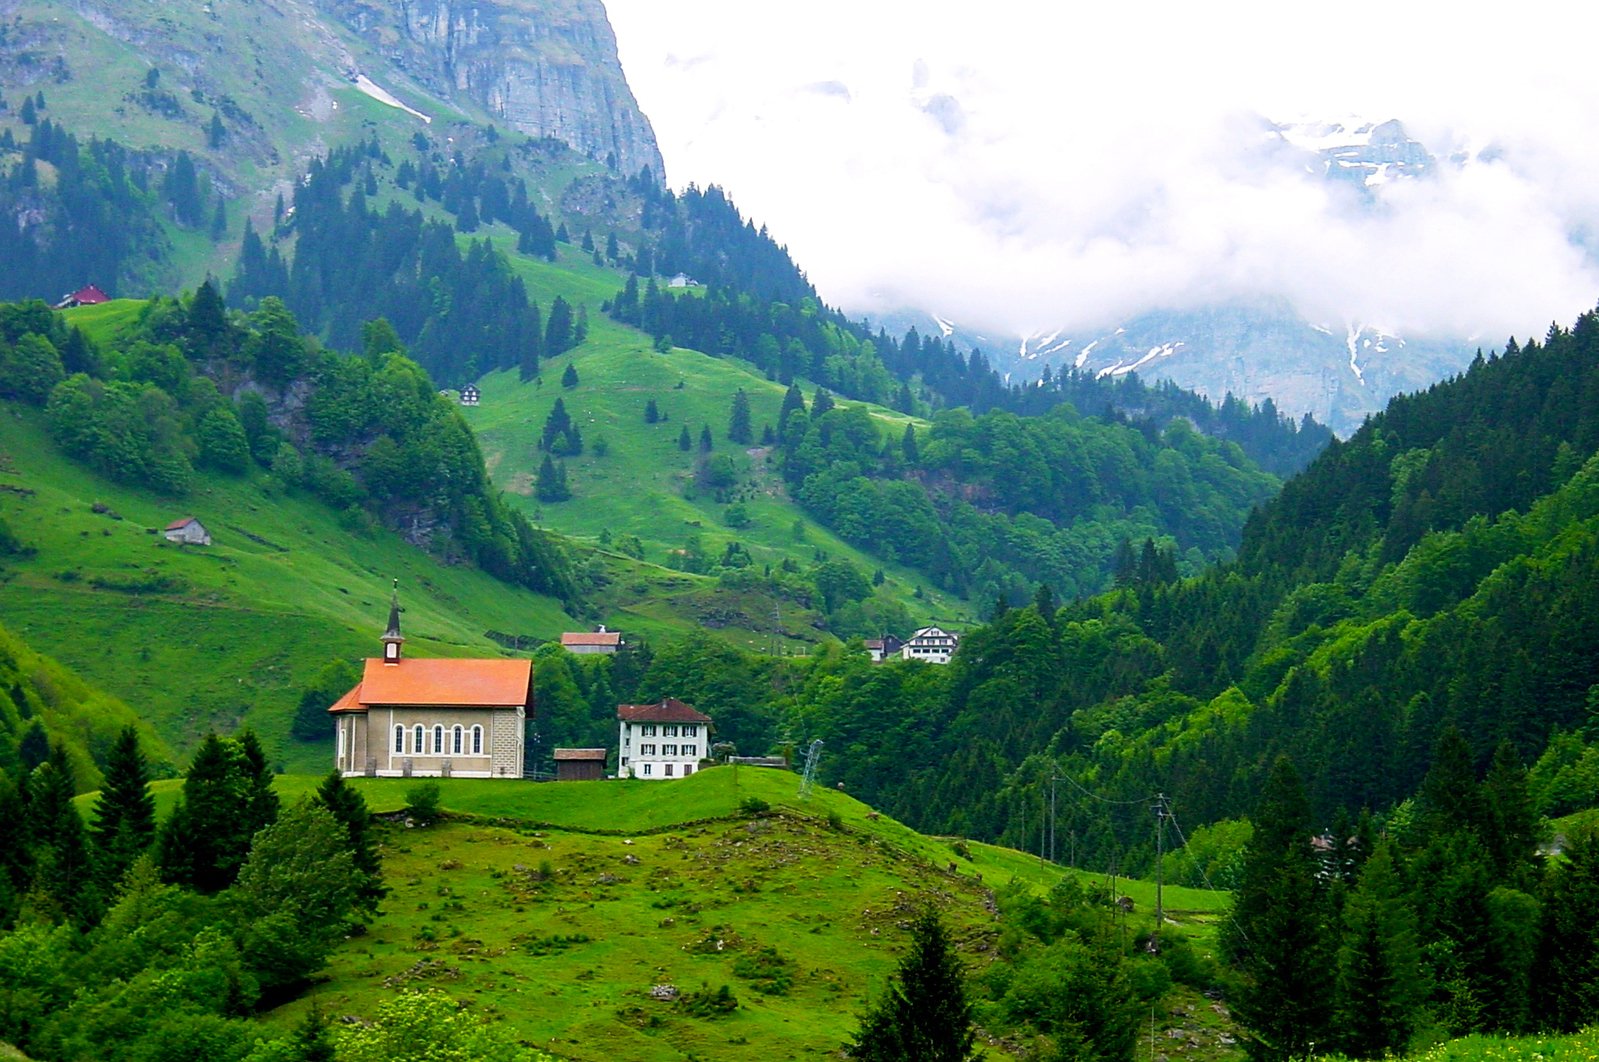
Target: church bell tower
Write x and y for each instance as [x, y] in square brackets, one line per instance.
[392, 638]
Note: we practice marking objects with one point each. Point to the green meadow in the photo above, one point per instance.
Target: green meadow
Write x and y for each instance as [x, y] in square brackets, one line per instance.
[557, 906]
[644, 485]
[201, 638]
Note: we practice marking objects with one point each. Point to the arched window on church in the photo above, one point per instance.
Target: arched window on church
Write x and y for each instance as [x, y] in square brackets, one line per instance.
[477, 741]
[455, 739]
[416, 744]
[438, 740]
[399, 739]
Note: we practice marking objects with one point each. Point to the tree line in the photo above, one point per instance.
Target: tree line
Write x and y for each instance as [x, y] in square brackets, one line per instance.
[126, 937]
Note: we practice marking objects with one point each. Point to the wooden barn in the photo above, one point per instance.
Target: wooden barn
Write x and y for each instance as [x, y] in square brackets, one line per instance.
[580, 765]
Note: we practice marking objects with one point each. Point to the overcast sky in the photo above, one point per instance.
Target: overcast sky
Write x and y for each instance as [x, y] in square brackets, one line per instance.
[1019, 168]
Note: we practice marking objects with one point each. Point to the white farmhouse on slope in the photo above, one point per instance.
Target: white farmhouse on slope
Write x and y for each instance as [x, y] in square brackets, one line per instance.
[932, 644]
[665, 740]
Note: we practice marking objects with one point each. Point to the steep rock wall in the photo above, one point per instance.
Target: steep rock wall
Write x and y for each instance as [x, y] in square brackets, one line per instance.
[544, 67]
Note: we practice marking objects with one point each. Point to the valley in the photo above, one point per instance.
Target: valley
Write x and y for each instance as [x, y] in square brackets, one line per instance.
[400, 302]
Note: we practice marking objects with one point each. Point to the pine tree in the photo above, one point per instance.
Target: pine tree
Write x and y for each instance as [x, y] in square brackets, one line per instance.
[1450, 799]
[214, 132]
[569, 377]
[1568, 967]
[925, 1015]
[792, 399]
[64, 871]
[16, 862]
[684, 442]
[550, 483]
[205, 840]
[532, 345]
[822, 403]
[1510, 823]
[261, 806]
[908, 447]
[349, 808]
[652, 412]
[738, 421]
[705, 438]
[558, 330]
[1275, 936]
[558, 423]
[1381, 984]
[124, 814]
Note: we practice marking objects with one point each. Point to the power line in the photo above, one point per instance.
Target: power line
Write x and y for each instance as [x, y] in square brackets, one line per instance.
[1107, 800]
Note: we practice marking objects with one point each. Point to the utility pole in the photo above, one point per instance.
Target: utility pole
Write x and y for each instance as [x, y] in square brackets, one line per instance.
[1160, 851]
[1052, 814]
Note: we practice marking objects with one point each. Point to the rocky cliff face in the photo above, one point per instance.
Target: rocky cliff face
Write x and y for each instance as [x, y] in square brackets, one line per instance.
[545, 67]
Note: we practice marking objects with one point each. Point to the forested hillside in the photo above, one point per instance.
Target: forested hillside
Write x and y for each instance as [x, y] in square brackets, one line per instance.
[186, 384]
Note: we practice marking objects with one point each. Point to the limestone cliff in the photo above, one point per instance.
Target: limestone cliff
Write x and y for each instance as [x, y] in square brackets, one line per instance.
[544, 67]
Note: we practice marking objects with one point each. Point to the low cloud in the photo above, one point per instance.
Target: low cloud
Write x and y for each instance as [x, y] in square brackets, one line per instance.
[1072, 169]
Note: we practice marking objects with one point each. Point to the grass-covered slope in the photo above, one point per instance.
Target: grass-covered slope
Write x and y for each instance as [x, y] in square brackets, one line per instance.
[196, 638]
[557, 907]
[644, 485]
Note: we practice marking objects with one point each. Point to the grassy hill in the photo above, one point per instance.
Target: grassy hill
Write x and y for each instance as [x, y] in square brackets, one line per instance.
[556, 907]
[644, 484]
[195, 638]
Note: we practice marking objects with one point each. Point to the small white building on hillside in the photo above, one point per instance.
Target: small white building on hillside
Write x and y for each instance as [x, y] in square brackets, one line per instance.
[590, 643]
[188, 531]
[665, 740]
[932, 644]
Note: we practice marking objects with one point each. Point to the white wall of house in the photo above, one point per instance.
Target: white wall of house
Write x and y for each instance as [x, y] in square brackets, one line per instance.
[657, 751]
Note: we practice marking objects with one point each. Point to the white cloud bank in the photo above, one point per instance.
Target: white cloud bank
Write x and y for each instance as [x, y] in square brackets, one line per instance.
[1023, 169]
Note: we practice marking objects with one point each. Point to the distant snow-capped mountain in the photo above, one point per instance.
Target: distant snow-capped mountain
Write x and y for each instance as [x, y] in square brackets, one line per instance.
[1338, 371]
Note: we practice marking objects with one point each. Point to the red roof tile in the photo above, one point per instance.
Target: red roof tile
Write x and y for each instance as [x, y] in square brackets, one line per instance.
[670, 710]
[444, 683]
[176, 524]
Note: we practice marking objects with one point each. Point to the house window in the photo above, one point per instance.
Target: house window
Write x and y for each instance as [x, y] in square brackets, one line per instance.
[416, 746]
[646, 750]
[477, 741]
[692, 730]
[647, 767]
[668, 750]
[438, 740]
[688, 769]
[669, 731]
[648, 730]
[688, 750]
[341, 741]
[455, 740]
[399, 739]
[669, 770]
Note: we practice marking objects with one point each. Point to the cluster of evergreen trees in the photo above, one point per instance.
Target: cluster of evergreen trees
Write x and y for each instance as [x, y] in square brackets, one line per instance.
[1449, 922]
[124, 938]
[96, 220]
[460, 315]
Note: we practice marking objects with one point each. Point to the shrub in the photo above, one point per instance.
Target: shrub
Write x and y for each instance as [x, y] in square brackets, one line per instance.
[422, 803]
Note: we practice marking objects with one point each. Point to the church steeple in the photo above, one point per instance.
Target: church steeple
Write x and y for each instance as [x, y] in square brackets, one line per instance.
[392, 638]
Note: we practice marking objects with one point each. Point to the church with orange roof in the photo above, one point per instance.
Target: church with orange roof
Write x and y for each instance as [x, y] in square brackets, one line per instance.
[433, 718]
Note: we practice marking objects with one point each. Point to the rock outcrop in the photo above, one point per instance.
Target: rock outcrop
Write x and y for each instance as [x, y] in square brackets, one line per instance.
[545, 67]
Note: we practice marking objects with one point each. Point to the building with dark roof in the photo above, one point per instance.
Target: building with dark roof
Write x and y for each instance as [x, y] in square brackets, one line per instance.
[665, 740]
[580, 765]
